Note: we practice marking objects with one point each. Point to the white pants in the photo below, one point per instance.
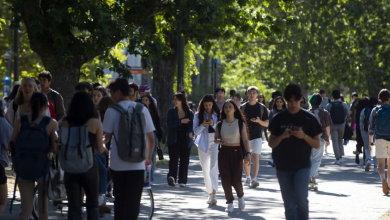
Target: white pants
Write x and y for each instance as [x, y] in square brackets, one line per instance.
[209, 164]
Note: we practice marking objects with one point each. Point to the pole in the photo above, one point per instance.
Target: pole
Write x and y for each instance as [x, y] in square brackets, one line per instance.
[9, 67]
[16, 54]
[180, 61]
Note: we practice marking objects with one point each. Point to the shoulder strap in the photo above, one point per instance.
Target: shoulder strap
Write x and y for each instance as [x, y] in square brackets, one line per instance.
[219, 127]
[24, 121]
[329, 101]
[44, 122]
[14, 107]
[139, 107]
[261, 111]
[119, 108]
[243, 106]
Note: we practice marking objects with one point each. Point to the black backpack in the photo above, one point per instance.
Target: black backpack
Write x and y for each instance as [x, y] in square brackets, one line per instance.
[337, 113]
[367, 114]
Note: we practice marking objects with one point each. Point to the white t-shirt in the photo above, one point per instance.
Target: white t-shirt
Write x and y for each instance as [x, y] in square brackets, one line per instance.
[111, 126]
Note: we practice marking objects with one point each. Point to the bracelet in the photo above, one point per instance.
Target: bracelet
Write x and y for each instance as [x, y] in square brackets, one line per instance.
[248, 153]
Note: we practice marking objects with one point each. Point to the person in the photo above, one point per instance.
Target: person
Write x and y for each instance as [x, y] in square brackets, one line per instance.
[205, 121]
[293, 135]
[145, 90]
[220, 94]
[134, 92]
[360, 106]
[5, 136]
[21, 104]
[103, 105]
[231, 134]
[261, 99]
[98, 93]
[365, 96]
[95, 85]
[128, 177]
[364, 123]
[232, 93]
[50, 104]
[338, 111]
[325, 100]
[12, 95]
[45, 79]
[148, 101]
[325, 120]
[82, 113]
[278, 106]
[180, 139]
[274, 94]
[85, 86]
[258, 115]
[237, 99]
[38, 105]
[304, 103]
[380, 130]
[354, 98]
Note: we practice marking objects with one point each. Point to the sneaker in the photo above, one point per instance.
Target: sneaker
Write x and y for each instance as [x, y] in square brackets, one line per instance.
[337, 162]
[326, 150]
[213, 200]
[241, 203]
[313, 180]
[375, 169]
[182, 185]
[101, 200]
[368, 164]
[247, 181]
[384, 186]
[229, 208]
[171, 181]
[209, 200]
[151, 183]
[354, 152]
[255, 183]
[271, 163]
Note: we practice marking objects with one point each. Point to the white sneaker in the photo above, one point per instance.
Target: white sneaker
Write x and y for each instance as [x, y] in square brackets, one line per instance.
[241, 203]
[337, 162]
[209, 199]
[255, 183]
[101, 200]
[368, 164]
[171, 181]
[341, 162]
[182, 185]
[213, 200]
[229, 208]
[247, 181]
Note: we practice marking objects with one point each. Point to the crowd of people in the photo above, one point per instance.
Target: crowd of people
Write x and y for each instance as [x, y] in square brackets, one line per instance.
[113, 132]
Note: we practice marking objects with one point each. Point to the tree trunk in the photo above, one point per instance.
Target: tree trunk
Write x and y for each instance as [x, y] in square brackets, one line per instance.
[65, 79]
[164, 70]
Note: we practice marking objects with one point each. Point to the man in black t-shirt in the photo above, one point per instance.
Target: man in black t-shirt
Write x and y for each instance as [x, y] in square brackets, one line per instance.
[293, 134]
[257, 117]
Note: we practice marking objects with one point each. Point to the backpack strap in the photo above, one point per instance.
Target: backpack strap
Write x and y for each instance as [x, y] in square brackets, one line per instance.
[67, 145]
[45, 121]
[138, 111]
[24, 121]
[15, 107]
[243, 106]
[119, 108]
[79, 144]
[240, 125]
[54, 98]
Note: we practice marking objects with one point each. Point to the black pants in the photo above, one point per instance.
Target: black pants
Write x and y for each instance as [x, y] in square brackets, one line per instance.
[176, 152]
[127, 192]
[88, 181]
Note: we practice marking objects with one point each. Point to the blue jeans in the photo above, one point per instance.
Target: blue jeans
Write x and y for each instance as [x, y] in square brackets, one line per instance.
[293, 185]
[316, 157]
[154, 158]
[101, 161]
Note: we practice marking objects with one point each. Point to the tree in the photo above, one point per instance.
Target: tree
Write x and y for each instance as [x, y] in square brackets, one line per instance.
[68, 34]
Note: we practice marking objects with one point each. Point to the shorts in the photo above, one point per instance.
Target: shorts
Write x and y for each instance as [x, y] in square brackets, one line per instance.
[38, 180]
[256, 145]
[382, 148]
[3, 177]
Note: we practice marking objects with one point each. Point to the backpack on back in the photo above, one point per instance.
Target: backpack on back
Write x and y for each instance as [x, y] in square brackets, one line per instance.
[382, 122]
[30, 158]
[337, 113]
[367, 114]
[131, 140]
[76, 155]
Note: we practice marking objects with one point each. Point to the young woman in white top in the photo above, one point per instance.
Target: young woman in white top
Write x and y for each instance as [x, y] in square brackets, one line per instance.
[205, 121]
[234, 148]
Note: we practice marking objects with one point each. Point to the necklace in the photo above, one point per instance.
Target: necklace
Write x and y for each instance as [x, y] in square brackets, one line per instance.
[230, 123]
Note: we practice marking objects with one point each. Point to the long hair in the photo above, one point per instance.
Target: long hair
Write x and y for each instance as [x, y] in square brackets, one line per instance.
[13, 93]
[274, 103]
[237, 114]
[183, 100]
[37, 102]
[81, 109]
[19, 99]
[201, 109]
[262, 95]
[152, 106]
[362, 104]
[104, 104]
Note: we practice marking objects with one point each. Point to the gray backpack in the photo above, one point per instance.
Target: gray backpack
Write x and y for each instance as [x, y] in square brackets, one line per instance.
[76, 155]
[131, 140]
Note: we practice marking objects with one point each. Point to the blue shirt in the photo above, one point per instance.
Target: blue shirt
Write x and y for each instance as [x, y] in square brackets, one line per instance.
[202, 139]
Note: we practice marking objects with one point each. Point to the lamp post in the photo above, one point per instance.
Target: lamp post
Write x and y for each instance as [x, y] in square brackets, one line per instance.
[7, 57]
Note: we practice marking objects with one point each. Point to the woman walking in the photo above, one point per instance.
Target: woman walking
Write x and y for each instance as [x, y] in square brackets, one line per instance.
[148, 101]
[231, 134]
[205, 121]
[180, 139]
[279, 105]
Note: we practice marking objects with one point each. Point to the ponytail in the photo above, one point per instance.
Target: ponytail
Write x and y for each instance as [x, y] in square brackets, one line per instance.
[38, 101]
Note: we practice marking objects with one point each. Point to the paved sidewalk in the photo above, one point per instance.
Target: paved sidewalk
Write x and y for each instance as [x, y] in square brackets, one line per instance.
[346, 192]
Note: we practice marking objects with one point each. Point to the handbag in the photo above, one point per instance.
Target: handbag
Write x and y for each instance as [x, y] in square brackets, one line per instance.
[56, 190]
[348, 132]
[160, 153]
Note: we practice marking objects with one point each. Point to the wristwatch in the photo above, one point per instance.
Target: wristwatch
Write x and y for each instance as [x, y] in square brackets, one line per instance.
[248, 153]
[372, 144]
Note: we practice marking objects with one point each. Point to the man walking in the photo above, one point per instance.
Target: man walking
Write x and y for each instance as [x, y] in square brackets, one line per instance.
[220, 94]
[325, 100]
[338, 112]
[45, 79]
[257, 118]
[293, 135]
